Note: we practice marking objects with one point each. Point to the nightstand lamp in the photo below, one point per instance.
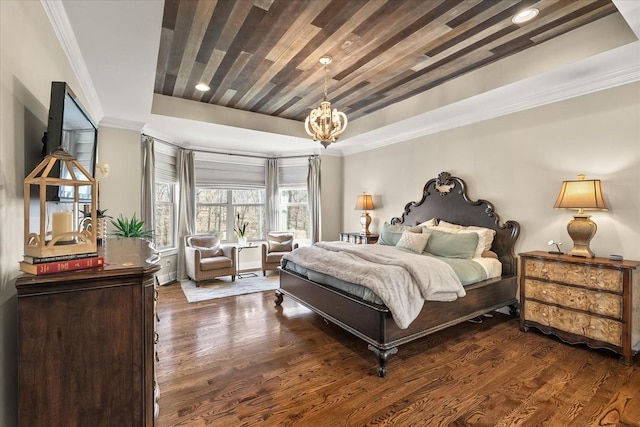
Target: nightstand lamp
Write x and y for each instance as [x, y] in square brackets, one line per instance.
[364, 203]
[583, 194]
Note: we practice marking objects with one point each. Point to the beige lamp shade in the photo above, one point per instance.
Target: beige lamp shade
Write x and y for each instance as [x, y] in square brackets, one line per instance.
[364, 203]
[583, 194]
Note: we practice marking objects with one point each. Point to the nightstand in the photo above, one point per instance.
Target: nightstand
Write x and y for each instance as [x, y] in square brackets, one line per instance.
[592, 301]
[360, 239]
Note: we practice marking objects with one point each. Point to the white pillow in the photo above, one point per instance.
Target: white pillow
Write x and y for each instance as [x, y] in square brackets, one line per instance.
[445, 224]
[432, 222]
[415, 242]
[485, 235]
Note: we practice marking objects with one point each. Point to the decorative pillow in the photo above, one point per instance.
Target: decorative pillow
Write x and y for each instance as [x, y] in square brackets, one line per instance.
[452, 245]
[390, 234]
[209, 252]
[208, 245]
[414, 242]
[485, 235]
[489, 254]
[431, 223]
[275, 246]
[445, 224]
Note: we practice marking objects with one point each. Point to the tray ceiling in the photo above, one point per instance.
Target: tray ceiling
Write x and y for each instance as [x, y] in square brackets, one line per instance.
[262, 55]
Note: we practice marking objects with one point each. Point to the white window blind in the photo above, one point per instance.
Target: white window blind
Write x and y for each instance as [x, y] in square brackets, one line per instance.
[165, 166]
[292, 172]
[220, 171]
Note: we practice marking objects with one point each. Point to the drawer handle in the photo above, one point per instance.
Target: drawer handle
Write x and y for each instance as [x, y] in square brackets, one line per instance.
[156, 338]
[157, 317]
[157, 358]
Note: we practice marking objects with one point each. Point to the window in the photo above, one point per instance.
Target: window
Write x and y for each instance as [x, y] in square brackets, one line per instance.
[217, 210]
[294, 211]
[164, 206]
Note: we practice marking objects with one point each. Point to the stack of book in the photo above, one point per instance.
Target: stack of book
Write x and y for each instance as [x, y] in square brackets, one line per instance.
[60, 263]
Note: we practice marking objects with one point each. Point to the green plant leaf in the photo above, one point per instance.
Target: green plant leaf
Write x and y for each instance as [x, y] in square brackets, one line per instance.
[132, 227]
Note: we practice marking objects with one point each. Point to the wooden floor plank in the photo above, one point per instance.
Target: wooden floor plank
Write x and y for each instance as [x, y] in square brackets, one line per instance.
[241, 361]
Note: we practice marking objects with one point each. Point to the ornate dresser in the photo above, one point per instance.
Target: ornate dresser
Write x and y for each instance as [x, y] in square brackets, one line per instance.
[593, 301]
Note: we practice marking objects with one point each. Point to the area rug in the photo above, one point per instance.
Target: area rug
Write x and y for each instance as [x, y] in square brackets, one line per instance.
[224, 287]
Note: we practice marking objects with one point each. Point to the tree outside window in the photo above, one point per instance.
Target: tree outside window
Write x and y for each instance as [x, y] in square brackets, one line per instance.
[164, 205]
[294, 211]
[217, 211]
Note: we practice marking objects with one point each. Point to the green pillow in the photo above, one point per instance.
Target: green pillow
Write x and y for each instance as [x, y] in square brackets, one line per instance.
[390, 234]
[452, 245]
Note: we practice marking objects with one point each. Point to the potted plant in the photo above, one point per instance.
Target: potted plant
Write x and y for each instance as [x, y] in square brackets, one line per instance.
[130, 227]
[241, 231]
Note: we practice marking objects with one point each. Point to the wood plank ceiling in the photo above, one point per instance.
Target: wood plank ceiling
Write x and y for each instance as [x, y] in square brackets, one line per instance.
[262, 55]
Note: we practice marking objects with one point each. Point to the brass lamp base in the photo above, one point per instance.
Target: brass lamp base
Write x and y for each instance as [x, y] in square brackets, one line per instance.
[365, 220]
[581, 230]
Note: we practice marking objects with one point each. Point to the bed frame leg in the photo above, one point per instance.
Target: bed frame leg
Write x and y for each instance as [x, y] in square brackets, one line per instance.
[382, 356]
[279, 297]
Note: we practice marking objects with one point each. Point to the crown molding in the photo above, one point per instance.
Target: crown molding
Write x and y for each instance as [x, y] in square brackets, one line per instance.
[113, 122]
[617, 67]
[62, 27]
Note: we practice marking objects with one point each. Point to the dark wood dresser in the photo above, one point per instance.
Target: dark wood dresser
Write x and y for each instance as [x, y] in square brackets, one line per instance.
[593, 301]
[86, 342]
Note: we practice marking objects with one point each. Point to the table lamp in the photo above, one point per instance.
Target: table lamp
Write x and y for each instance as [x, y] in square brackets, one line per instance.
[583, 194]
[364, 203]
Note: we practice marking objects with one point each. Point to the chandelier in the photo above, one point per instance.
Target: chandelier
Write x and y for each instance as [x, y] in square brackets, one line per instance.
[323, 124]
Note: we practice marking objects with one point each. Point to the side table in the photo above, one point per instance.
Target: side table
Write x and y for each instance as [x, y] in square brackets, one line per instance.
[240, 249]
[359, 239]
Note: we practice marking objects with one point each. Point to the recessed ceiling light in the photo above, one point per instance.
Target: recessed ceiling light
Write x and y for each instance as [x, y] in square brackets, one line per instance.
[525, 15]
[203, 87]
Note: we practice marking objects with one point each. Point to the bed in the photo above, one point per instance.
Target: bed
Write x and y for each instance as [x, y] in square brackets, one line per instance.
[443, 198]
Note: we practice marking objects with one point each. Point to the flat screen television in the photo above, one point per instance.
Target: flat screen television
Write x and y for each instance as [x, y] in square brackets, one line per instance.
[73, 129]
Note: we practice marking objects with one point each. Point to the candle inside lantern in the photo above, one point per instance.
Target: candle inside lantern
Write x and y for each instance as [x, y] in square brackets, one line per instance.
[62, 222]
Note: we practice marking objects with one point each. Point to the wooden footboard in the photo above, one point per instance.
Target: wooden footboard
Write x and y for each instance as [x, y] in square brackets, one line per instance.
[374, 324]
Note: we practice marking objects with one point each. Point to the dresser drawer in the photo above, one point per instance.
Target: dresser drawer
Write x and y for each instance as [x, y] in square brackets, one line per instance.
[582, 324]
[575, 274]
[580, 299]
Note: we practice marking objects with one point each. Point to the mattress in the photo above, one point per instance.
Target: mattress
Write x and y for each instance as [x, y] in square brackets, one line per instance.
[469, 271]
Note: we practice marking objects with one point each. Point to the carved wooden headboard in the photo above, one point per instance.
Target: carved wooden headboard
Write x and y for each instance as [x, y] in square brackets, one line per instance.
[445, 197]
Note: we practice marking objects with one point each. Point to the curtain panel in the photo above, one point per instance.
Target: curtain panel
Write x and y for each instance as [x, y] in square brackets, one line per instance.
[186, 204]
[148, 180]
[313, 190]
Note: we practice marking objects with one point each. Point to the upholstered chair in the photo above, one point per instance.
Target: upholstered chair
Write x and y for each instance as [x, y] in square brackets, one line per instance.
[207, 259]
[278, 243]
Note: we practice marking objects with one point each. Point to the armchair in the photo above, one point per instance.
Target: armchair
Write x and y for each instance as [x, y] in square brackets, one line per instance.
[278, 243]
[207, 259]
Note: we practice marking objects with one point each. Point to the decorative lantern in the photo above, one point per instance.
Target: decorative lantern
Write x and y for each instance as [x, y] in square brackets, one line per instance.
[59, 231]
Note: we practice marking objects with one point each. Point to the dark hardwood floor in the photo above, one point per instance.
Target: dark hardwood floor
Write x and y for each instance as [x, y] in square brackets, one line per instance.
[241, 361]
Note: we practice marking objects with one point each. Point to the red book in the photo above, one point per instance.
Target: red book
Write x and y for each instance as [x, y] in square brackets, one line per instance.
[61, 266]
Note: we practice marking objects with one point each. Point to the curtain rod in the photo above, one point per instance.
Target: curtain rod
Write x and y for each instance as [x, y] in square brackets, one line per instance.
[230, 154]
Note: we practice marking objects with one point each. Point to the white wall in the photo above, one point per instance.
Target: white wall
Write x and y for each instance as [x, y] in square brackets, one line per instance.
[518, 162]
[331, 179]
[121, 191]
[31, 59]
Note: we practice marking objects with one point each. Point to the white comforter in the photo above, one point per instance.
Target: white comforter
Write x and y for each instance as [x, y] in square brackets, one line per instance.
[402, 280]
